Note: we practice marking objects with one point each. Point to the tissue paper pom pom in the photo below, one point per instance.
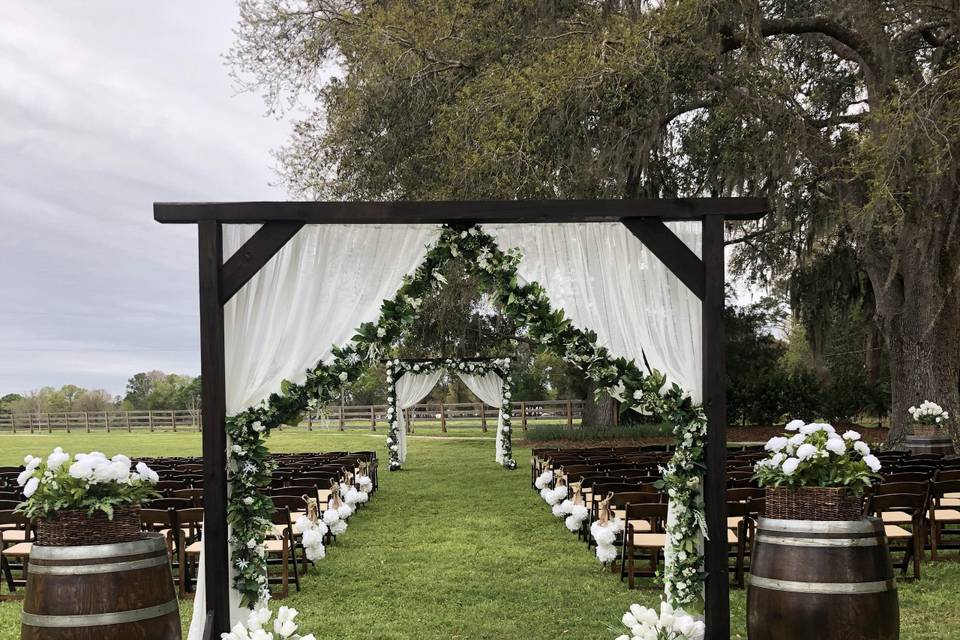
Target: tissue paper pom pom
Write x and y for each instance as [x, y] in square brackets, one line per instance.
[330, 516]
[573, 523]
[543, 479]
[365, 483]
[545, 493]
[579, 512]
[557, 495]
[352, 496]
[606, 553]
[338, 527]
[566, 507]
[558, 510]
[362, 496]
[345, 511]
[603, 534]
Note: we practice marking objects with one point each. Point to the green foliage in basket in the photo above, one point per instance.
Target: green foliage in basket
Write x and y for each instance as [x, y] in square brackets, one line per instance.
[815, 455]
[88, 481]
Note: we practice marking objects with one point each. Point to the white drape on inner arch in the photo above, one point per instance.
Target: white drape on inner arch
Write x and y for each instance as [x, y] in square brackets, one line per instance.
[412, 388]
[489, 388]
[309, 297]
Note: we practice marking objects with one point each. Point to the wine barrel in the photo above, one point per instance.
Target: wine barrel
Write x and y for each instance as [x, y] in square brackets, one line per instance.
[825, 580]
[101, 592]
[942, 445]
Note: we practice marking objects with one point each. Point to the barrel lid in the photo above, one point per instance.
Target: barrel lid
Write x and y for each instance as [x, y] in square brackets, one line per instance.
[866, 525]
[150, 543]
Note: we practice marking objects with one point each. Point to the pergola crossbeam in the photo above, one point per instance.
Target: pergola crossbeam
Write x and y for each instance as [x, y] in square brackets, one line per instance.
[672, 252]
[255, 252]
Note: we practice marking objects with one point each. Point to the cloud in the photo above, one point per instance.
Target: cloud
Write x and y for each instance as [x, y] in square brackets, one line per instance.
[105, 108]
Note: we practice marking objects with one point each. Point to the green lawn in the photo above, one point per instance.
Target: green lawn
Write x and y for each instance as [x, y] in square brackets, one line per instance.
[456, 547]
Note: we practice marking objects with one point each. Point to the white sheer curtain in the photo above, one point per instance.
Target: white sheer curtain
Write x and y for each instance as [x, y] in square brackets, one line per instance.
[320, 286]
[604, 279]
[489, 388]
[411, 388]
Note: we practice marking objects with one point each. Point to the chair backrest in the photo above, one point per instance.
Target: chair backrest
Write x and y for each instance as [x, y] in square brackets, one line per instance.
[622, 499]
[195, 496]
[910, 476]
[917, 488]
[656, 513]
[291, 503]
[912, 503]
[9, 516]
[188, 523]
[939, 488]
[156, 519]
[947, 474]
[9, 504]
[744, 494]
[296, 490]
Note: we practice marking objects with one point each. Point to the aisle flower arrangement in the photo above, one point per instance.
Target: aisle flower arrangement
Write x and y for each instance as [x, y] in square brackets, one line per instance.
[669, 624]
[929, 414]
[90, 482]
[525, 303]
[815, 455]
[257, 626]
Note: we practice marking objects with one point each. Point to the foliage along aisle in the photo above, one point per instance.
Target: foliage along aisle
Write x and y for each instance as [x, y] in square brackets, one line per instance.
[527, 304]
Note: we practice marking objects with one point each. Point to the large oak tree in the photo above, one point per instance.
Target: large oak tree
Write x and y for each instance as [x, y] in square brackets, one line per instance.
[844, 113]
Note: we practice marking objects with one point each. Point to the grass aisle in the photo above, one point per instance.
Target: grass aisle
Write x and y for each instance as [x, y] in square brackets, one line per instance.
[456, 547]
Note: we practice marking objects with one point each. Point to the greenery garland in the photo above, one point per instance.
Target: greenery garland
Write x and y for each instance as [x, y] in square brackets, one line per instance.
[249, 511]
[396, 368]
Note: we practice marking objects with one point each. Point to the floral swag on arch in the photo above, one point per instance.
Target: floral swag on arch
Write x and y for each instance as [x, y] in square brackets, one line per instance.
[499, 367]
[527, 304]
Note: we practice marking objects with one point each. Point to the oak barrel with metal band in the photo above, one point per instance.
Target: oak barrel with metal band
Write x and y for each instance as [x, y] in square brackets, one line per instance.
[829, 580]
[103, 592]
[938, 444]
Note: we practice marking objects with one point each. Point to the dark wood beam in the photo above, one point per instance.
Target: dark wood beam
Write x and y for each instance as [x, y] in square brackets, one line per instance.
[213, 405]
[471, 211]
[717, 604]
[255, 253]
[671, 251]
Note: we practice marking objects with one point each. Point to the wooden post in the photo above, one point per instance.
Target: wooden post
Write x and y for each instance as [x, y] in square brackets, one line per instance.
[150, 419]
[523, 415]
[341, 410]
[49, 423]
[13, 422]
[106, 420]
[213, 398]
[443, 418]
[373, 419]
[30, 421]
[570, 414]
[717, 601]
[86, 421]
[126, 415]
[173, 419]
[483, 417]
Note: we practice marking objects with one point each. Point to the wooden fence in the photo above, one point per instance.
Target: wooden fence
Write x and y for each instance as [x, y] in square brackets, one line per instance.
[442, 416]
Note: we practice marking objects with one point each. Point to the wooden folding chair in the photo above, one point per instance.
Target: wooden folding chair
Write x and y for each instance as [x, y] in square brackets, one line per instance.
[16, 543]
[941, 516]
[188, 531]
[650, 538]
[279, 552]
[914, 506]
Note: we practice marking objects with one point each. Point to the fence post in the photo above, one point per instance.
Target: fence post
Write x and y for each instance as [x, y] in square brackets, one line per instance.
[523, 415]
[570, 414]
[150, 419]
[30, 421]
[341, 412]
[49, 423]
[483, 417]
[86, 421]
[443, 418]
[173, 419]
[13, 422]
[373, 418]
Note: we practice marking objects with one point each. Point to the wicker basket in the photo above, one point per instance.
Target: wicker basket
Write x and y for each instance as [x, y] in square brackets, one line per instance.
[812, 503]
[74, 527]
[926, 430]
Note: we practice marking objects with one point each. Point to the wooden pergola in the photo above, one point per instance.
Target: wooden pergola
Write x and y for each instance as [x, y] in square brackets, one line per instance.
[220, 280]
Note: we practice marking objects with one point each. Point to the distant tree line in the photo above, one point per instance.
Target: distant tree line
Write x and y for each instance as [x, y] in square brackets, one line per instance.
[145, 390]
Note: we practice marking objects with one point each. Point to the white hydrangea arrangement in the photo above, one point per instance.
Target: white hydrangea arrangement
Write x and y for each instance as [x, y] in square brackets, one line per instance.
[815, 455]
[89, 481]
[257, 626]
[669, 624]
[929, 413]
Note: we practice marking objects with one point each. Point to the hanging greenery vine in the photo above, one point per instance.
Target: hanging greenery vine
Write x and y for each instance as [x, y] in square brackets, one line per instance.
[249, 511]
[501, 366]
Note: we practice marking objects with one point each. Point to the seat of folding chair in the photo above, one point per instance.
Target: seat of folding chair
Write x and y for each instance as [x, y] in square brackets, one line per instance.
[947, 515]
[734, 521]
[896, 533]
[640, 526]
[732, 537]
[19, 550]
[649, 540]
[950, 502]
[296, 515]
[193, 549]
[896, 517]
[273, 546]
[14, 535]
[955, 495]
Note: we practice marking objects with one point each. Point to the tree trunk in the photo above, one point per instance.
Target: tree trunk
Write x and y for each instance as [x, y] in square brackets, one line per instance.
[597, 411]
[919, 311]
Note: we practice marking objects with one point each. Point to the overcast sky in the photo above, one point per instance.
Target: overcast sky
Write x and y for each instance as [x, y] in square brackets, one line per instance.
[106, 107]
